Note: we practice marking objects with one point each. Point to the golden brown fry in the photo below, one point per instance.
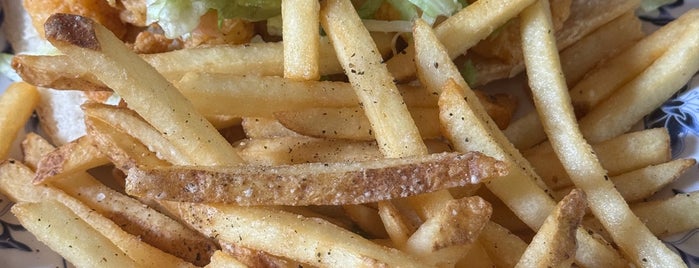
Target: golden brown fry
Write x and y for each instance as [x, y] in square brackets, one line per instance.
[122, 149]
[647, 91]
[351, 123]
[313, 183]
[504, 248]
[526, 197]
[603, 81]
[128, 214]
[16, 106]
[448, 235]
[555, 244]
[263, 128]
[553, 105]
[288, 235]
[461, 31]
[64, 232]
[371, 81]
[141, 86]
[643, 183]
[222, 259]
[76, 156]
[301, 39]
[608, 40]
[127, 121]
[55, 72]
[618, 155]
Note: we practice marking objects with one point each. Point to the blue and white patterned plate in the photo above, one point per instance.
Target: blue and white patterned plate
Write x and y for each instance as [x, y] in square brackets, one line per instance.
[680, 114]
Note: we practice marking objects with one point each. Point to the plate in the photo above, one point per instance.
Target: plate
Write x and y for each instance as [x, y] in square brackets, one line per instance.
[680, 114]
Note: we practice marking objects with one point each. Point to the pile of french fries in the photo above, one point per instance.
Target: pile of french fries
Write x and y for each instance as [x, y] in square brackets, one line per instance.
[367, 172]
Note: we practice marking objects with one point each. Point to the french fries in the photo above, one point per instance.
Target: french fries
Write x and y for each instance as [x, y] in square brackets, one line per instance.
[555, 244]
[313, 183]
[372, 82]
[16, 106]
[276, 232]
[76, 156]
[551, 99]
[301, 56]
[173, 116]
[307, 152]
[75, 239]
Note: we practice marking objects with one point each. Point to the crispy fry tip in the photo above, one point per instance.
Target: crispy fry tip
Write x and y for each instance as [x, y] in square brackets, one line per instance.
[73, 29]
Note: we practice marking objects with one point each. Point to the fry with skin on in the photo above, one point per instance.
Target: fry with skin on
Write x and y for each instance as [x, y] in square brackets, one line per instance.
[554, 245]
[76, 156]
[129, 122]
[16, 106]
[141, 86]
[129, 214]
[313, 183]
[553, 105]
[442, 239]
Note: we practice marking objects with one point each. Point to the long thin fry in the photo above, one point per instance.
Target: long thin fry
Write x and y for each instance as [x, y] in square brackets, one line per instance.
[144, 89]
[647, 91]
[553, 105]
[280, 233]
[526, 197]
[396, 132]
[313, 183]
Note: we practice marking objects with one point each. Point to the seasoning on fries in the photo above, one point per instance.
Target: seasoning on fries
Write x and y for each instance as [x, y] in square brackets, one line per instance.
[323, 141]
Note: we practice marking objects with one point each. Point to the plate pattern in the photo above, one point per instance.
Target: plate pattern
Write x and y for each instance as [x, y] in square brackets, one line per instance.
[680, 114]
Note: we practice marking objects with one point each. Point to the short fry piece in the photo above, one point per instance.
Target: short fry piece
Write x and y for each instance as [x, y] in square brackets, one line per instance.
[16, 106]
[555, 244]
[448, 235]
[76, 156]
[141, 86]
[313, 183]
[301, 39]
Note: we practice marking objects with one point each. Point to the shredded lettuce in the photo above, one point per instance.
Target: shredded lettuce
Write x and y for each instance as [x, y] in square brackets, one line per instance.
[369, 8]
[431, 9]
[407, 10]
[6, 67]
[179, 17]
[468, 72]
[651, 5]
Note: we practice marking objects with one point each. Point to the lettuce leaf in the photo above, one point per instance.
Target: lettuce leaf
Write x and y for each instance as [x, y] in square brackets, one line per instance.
[179, 17]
